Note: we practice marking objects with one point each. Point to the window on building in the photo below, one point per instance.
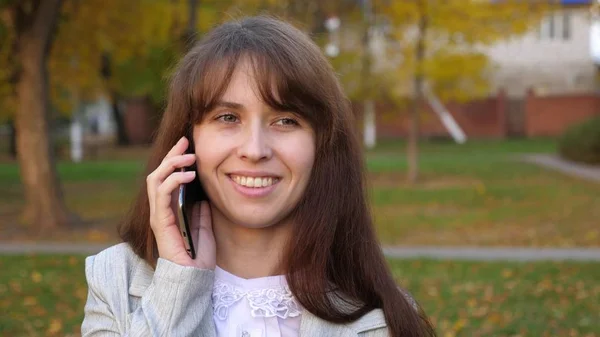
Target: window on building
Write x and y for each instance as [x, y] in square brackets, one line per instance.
[556, 26]
[566, 26]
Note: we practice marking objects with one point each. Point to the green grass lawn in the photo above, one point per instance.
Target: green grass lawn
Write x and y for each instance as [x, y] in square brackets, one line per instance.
[506, 299]
[471, 194]
[44, 296]
[480, 195]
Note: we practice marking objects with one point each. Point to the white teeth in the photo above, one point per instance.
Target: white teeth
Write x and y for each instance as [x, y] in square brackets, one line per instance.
[254, 181]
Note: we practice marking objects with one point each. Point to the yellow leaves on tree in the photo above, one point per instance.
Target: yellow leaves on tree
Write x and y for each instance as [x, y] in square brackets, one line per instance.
[128, 31]
[453, 34]
[123, 29]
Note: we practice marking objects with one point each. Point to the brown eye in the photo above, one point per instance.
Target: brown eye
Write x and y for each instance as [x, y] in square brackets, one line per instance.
[287, 122]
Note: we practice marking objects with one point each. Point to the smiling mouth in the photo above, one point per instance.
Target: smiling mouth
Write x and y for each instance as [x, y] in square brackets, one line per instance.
[254, 182]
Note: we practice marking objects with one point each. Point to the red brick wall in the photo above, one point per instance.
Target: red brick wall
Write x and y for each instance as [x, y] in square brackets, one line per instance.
[487, 118]
[484, 118]
[551, 115]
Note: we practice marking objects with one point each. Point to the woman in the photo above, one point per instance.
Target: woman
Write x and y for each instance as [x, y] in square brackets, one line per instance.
[286, 245]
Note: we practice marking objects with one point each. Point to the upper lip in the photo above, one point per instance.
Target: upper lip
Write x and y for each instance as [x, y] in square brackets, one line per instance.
[253, 174]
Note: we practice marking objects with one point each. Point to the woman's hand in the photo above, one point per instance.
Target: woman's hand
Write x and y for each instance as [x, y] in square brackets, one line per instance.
[163, 185]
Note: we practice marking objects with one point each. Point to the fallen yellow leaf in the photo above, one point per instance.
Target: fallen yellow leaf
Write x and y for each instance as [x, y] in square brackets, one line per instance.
[480, 312]
[494, 318]
[29, 300]
[591, 235]
[459, 325]
[95, 235]
[55, 326]
[506, 273]
[36, 277]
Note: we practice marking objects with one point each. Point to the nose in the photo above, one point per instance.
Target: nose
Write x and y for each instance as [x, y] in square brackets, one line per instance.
[255, 145]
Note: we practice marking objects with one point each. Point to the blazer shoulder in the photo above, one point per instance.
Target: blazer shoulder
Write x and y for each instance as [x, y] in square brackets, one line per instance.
[371, 322]
[111, 266]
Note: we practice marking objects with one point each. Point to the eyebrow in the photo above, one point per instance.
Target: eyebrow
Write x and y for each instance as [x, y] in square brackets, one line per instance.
[229, 105]
[234, 105]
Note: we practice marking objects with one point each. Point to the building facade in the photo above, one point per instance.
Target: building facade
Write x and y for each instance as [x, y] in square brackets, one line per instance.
[555, 58]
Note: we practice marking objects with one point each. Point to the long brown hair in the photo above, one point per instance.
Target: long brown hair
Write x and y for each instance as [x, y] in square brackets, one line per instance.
[333, 241]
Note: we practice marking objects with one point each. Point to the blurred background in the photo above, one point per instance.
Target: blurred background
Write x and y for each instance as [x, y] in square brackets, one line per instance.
[480, 122]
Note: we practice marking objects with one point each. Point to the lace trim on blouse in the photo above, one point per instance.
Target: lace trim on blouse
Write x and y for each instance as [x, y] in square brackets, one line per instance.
[269, 302]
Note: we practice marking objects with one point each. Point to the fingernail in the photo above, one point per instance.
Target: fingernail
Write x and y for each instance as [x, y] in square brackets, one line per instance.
[190, 174]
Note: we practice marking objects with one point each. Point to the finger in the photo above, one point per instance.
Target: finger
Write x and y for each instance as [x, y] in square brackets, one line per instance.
[164, 192]
[154, 179]
[170, 165]
[178, 148]
[166, 167]
[151, 187]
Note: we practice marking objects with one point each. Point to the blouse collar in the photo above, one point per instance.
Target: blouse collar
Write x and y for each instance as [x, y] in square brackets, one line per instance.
[276, 281]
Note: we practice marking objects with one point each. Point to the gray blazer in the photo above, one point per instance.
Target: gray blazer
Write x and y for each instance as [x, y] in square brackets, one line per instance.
[126, 297]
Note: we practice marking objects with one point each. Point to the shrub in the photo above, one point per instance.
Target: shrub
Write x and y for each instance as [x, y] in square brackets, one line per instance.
[581, 142]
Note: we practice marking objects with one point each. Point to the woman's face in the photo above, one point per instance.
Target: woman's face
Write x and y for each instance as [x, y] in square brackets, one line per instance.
[254, 162]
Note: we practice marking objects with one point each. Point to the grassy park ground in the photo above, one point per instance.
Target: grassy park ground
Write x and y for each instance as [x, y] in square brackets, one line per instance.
[44, 296]
[474, 194]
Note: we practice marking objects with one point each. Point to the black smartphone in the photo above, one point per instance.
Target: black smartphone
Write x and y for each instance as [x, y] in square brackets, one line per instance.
[189, 195]
[184, 224]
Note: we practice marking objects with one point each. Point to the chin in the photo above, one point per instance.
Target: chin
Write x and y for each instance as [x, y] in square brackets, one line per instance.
[250, 221]
[255, 218]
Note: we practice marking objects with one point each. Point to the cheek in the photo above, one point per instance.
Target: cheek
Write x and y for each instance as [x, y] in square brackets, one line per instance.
[307, 162]
[208, 159]
[302, 158]
[208, 152]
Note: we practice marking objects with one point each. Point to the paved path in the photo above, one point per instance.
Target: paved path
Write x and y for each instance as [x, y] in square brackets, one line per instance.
[444, 253]
[554, 162]
[50, 248]
[495, 254]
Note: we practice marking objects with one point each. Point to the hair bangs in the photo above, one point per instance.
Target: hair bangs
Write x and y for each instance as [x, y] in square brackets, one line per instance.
[209, 83]
[284, 89]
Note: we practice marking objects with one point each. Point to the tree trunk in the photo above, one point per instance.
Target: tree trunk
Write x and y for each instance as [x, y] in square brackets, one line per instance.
[12, 148]
[412, 150]
[370, 126]
[122, 136]
[45, 207]
[190, 31]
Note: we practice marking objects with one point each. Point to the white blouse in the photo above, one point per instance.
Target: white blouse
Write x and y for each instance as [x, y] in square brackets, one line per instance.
[258, 307]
